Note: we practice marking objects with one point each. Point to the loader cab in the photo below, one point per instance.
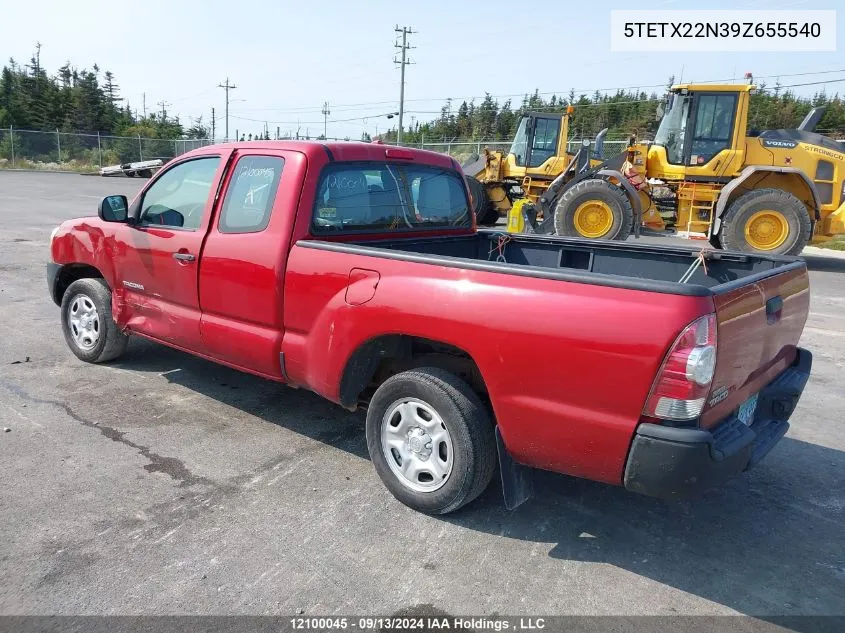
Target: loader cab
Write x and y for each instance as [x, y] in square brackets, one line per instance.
[702, 132]
[538, 138]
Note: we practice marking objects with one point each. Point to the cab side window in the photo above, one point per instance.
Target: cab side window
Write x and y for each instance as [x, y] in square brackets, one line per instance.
[177, 199]
[251, 193]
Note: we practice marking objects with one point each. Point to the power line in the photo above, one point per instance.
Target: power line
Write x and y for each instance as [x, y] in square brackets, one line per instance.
[607, 104]
[404, 46]
[227, 87]
[364, 105]
[389, 115]
[814, 83]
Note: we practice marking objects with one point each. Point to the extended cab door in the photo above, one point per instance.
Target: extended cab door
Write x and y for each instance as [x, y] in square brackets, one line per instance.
[157, 260]
[242, 271]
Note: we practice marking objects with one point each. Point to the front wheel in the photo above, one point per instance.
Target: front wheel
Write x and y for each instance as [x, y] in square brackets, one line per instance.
[87, 322]
[430, 440]
[596, 209]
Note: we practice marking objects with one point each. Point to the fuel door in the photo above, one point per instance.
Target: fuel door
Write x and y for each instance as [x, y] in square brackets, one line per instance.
[361, 286]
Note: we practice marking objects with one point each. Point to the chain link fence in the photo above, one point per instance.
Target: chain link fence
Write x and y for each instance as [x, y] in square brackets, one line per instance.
[65, 151]
[461, 150]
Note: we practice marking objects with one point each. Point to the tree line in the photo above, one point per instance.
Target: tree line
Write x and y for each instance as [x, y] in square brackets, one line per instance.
[623, 113]
[84, 100]
[79, 100]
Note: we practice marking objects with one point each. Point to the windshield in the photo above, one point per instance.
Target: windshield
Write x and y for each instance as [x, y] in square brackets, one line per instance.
[520, 142]
[672, 128]
[369, 196]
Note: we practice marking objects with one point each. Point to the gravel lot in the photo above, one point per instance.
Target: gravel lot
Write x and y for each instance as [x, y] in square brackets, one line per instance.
[166, 484]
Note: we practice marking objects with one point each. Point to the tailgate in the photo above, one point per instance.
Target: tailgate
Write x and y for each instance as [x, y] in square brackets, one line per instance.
[760, 323]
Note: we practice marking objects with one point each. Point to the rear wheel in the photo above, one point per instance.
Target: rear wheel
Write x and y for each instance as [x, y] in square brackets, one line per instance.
[770, 221]
[595, 209]
[485, 213]
[430, 440]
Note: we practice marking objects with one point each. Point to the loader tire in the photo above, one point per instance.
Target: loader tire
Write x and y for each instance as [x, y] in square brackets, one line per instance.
[595, 209]
[766, 221]
[485, 213]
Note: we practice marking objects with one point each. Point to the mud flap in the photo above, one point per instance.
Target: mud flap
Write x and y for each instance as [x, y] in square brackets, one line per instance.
[517, 480]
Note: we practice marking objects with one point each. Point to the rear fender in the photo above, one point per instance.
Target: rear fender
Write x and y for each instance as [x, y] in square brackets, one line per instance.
[789, 179]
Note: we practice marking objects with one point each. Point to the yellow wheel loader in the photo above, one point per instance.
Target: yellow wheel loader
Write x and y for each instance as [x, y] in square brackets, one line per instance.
[704, 176]
[501, 182]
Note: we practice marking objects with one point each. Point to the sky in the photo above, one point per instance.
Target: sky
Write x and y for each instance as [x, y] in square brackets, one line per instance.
[288, 58]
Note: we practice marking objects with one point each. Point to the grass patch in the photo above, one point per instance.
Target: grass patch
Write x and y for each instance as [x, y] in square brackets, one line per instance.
[71, 165]
[836, 244]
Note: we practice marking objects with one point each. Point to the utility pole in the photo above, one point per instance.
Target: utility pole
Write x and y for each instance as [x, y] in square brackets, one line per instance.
[143, 104]
[326, 113]
[213, 125]
[227, 87]
[163, 105]
[404, 46]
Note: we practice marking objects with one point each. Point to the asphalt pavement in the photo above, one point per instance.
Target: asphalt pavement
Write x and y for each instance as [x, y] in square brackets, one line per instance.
[166, 484]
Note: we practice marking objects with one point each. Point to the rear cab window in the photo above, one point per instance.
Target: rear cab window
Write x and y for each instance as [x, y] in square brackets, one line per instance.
[367, 197]
[252, 191]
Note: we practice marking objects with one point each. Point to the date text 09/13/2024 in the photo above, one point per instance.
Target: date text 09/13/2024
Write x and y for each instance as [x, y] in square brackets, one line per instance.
[424, 623]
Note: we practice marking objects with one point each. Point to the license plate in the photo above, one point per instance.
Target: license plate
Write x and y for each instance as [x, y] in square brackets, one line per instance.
[746, 410]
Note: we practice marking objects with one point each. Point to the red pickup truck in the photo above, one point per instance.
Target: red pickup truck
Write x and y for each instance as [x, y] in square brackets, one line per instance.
[355, 270]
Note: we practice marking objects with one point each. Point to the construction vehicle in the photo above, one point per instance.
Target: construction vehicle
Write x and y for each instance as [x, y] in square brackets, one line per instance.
[704, 176]
[538, 155]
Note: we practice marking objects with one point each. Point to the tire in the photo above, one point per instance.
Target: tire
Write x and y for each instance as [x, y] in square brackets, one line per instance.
[485, 213]
[736, 218]
[146, 173]
[130, 174]
[612, 199]
[108, 342]
[434, 395]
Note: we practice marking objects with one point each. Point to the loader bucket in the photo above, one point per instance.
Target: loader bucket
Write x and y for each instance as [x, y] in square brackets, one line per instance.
[474, 165]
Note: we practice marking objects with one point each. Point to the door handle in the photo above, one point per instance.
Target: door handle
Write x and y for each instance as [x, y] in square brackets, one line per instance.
[184, 257]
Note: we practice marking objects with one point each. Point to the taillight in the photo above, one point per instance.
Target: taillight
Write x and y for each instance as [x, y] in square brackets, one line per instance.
[683, 382]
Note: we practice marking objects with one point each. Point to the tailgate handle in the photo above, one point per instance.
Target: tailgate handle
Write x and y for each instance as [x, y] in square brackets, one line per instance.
[774, 306]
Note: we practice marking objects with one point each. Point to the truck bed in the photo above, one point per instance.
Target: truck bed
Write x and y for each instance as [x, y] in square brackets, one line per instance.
[620, 264]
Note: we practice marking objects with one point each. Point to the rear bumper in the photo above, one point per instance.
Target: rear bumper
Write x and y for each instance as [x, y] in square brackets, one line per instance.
[676, 463]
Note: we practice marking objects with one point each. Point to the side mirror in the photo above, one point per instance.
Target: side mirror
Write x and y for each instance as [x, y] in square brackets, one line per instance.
[113, 209]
